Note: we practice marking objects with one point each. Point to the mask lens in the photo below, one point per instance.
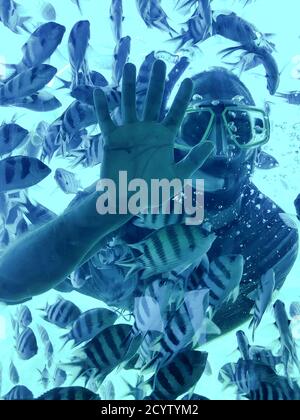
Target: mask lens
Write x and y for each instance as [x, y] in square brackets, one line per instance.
[247, 128]
[196, 126]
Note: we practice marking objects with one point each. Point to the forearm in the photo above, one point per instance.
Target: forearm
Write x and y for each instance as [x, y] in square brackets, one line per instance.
[43, 258]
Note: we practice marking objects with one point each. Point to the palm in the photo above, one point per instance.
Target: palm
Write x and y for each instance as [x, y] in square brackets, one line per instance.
[144, 149]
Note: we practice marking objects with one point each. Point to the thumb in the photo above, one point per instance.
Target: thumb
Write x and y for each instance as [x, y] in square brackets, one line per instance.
[194, 160]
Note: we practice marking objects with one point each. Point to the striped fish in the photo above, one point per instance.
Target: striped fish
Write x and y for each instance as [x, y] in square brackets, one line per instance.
[223, 279]
[187, 326]
[80, 276]
[89, 324]
[26, 83]
[10, 16]
[121, 56]
[117, 18]
[199, 27]
[62, 313]
[77, 45]
[78, 116]
[278, 391]
[153, 15]
[243, 345]
[147, 316]
[179, 376]
[49, 350]
[142, 82]
[288, 350]
[172, 78]
[67, 181]
[164, 292]
[72, 393]
[21, 172]
[52, 140]
[246, 375]
[264, 293]
[106, 352]
[19, 392]
[26, 345]
[38, 102]
[168, 249]
[160, 220]
[11, 137]
[24, 316]
[40, 46]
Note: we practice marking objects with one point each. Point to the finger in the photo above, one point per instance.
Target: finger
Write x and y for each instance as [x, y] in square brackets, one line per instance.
[129, 94]
[155, 91]
[102, 112]
[194, 160]
[175, 116]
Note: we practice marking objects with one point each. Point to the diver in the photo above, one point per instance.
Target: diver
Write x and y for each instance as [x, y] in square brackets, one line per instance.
[246, 222]
[223, 113]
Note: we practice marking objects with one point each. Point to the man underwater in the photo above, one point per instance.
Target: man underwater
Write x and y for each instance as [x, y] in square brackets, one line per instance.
[244, 220]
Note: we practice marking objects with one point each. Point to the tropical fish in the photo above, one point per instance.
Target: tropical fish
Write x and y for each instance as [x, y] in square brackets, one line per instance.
[106, 351]
[38, 102]
[78, 116]
[21, 172]
[178, 376]
[26, 345]
[266, 59]
[243, 345]
[266, 161]
[153, 15]
[40, 46]
[13, 374]
[48, 11]
[142, 81]
[89, 325]
[279, 390]
[116, 17]
[19, 392]
[24, 316]
[11, 137]
[49, 350]
[75, 393]
[26, 84]
[80, 276]
[288, 347]
[199, 27]
[222, 279]
[187, 326]
[169, 248]
[10, 16]
[78, 44]
[60, 377]
[263, 297]
[121, 56]
[67, 181]
[62, 313]
[233, 27]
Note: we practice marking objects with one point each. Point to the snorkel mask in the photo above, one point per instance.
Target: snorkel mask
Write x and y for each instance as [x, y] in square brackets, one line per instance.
[234, 127]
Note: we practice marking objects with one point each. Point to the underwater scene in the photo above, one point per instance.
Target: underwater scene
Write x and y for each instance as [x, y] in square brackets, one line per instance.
[115, 305]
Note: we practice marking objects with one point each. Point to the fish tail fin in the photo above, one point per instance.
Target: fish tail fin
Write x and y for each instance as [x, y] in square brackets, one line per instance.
[135, 267]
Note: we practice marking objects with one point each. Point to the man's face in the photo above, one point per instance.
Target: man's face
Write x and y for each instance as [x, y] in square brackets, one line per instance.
[228, 162]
